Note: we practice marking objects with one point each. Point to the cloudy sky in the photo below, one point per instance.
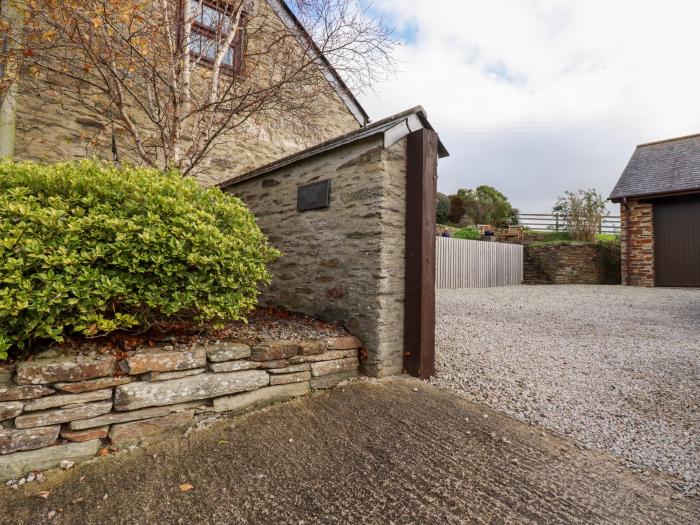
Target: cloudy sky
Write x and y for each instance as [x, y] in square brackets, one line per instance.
[535, 97]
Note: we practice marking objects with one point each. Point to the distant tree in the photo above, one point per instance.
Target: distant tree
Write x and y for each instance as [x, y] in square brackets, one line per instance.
[582, 213]
[443, 208]
[457, 209]
[486, 205]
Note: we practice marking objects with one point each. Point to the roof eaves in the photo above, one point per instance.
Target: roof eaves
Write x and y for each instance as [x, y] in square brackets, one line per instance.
[376, 128]
[290, 19]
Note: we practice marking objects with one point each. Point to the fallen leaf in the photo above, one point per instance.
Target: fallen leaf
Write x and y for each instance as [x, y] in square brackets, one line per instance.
[77, 500]
[186, 487]
[44, 494]
[103, 452]
[222, 442]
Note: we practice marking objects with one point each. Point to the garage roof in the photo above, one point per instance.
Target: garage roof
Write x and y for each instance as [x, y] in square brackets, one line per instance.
[660, 168]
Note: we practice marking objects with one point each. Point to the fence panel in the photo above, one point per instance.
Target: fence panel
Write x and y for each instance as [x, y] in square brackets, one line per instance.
[477, 264]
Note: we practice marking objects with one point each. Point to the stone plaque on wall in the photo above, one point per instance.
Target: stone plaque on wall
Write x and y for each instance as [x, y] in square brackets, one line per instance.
[314, 196]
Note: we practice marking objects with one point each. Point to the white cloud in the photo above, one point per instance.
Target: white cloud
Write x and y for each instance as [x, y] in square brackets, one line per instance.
[582, 80]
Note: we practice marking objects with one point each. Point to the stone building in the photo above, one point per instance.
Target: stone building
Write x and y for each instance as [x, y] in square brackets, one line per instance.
[659, 197]
[63, 130]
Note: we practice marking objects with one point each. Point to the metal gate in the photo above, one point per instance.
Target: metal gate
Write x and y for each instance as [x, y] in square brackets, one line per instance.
[677, 242]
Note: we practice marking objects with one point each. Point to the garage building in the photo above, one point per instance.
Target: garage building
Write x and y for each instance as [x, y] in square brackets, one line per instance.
[659, 196]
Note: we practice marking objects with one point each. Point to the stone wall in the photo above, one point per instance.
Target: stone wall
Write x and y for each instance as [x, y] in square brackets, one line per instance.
[641, 244]
[55, 128]
[572, 263]
[345, 262]
[54, 411]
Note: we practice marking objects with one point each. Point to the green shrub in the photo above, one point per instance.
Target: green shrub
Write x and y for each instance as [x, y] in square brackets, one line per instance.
[470, 232]
[88, 248]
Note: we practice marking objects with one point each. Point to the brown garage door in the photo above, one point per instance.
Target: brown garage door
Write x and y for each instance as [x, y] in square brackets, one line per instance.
[677, 242]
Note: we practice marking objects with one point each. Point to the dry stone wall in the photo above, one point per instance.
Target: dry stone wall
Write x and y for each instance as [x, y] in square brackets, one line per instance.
[638, 220]
[344, 263]
[61, 410]
[572, 263]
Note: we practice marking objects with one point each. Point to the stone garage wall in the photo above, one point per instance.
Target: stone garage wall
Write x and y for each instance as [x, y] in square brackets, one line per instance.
[345, 262]
[61, 410]
[572, 263]
[639, 219]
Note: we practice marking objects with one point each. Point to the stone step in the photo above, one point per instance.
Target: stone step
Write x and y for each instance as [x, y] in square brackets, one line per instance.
[145, 394]
[13, 466]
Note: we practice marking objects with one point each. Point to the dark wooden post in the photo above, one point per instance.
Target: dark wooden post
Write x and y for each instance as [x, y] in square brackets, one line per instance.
[419, 310]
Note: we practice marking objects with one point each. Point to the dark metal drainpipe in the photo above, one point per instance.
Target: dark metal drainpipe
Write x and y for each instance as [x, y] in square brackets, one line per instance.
[627, 241]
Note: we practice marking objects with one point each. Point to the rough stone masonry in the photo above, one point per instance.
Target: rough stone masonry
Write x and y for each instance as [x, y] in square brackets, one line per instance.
[66, 409]
[345, 262]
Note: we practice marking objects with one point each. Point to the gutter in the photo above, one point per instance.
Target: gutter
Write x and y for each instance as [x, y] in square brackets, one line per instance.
[628, 250]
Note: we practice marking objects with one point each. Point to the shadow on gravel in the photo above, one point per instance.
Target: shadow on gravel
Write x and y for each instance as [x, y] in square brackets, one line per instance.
[391, 451]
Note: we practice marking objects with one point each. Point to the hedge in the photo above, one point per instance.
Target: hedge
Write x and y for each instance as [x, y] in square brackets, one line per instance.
[88, 248]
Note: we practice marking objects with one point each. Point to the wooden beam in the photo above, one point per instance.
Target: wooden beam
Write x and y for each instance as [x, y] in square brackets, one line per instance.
[419, 309]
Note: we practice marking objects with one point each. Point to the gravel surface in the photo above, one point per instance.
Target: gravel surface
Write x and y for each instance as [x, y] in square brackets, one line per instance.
[613, 367]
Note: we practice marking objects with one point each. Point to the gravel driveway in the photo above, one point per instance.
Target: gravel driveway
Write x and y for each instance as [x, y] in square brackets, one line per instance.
[613, 367]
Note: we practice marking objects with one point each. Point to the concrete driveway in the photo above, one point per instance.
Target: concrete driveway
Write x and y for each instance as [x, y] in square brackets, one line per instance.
[374, 452]
[616, 368]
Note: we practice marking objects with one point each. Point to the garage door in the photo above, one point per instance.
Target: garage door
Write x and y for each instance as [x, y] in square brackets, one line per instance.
[677, 242]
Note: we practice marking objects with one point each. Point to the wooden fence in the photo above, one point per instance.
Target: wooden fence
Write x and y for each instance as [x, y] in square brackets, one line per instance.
[477, 264]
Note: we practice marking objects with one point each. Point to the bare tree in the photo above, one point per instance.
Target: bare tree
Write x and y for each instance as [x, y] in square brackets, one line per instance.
[176, 77]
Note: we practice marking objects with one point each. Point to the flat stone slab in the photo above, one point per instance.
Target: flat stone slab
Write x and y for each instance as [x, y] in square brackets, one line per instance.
[326, 368]
[17, 393]
[270, 350]
[141, 432]
[233, 366]
[15, 440]
[227, 352]
[13, 466]
[301, 367]
[5, 375]
[166, 376]
[312, 347]
[279, 363]
[164, 360]
[133, 415]
[262, 397]
[61, 369]
[61, 400]
[145, 394]
[343, 343]
[326, 356]
[324, 382]
[10, 409]
[85, 435]
[92, 384]
[63, 415]
[285, 379]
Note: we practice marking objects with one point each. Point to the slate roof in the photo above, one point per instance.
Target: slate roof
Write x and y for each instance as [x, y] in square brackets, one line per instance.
[398, 125]
[665, 167]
